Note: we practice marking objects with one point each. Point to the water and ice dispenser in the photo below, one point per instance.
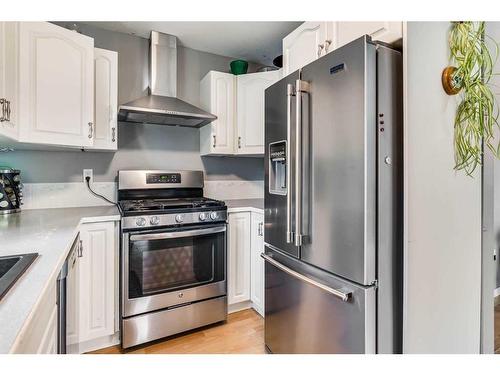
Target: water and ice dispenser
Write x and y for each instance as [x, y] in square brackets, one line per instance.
[277, 168]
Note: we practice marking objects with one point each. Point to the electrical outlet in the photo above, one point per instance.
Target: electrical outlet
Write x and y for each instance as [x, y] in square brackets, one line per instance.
[88, 173]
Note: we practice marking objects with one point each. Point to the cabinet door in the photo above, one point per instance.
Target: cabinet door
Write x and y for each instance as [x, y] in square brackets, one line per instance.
[217, 96]
[257, 263]
[73, 300]
[239, 257]
[303, 45]
[250, 109]
[383, 31]
[56, 72]
[97, 280]
[105, 99]
[8, 80]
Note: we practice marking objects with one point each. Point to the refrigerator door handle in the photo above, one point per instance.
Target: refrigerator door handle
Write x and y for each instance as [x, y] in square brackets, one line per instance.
[300, 88]
[337, 293]
[290, 92]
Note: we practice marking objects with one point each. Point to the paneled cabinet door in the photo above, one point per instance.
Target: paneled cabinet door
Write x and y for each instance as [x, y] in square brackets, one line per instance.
[250, 105]
[239, 257]
[304, 45]
[383, 31]
[217, 96]
[56, 85]
[105, 99]
[73, 300]
[97, 286]
[257, 264]
[8, 80]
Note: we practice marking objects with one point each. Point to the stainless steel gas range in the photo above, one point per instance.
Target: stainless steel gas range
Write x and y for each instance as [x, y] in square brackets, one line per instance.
[173, 255]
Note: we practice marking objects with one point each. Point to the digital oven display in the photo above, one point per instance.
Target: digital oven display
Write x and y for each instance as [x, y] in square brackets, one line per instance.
[163, 178]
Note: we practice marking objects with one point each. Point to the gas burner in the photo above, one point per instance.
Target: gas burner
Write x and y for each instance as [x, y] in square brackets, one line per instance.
[164, 205]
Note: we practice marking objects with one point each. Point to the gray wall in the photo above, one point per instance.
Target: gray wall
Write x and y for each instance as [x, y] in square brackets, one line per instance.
[443, 209]
[141, 146]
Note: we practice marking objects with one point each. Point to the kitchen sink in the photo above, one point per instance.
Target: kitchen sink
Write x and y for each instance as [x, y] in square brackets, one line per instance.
[11, 268]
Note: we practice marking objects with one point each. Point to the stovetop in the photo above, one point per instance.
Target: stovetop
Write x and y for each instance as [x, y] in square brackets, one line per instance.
[168, 205]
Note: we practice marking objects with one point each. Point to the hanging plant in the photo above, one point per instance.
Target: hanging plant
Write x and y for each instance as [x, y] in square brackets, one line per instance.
[477, 112]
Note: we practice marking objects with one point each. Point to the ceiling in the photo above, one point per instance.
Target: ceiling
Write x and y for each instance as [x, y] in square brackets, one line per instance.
[253, 41]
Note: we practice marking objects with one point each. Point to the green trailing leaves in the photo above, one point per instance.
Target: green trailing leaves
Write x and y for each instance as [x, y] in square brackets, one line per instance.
[476, 119]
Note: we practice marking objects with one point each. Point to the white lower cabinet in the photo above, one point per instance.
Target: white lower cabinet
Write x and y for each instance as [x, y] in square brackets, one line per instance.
[238, 257]
[257, 263]
[97, 287]
[245, 266]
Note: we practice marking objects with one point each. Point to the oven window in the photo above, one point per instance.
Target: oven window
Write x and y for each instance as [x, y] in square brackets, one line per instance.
[164, 265]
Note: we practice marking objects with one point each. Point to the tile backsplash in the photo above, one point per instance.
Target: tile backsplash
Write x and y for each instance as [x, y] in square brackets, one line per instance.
[76, 194]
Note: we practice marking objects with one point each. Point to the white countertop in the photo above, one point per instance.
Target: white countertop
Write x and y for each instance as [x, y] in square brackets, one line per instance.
[235, 205]
[50, 233]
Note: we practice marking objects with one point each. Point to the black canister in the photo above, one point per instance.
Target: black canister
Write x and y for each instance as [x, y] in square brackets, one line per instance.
[10, 190]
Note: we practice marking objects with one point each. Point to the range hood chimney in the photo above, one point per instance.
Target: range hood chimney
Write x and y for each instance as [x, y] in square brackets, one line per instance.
[161, 106]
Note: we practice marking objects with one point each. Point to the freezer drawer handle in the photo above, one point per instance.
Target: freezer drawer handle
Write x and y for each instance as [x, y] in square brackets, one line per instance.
[337, 293]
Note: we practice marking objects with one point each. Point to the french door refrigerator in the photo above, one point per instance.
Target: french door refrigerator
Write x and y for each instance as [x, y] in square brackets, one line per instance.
[333, 204]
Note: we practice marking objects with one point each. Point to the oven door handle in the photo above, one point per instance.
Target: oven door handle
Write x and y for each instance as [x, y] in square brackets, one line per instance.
[184, 233]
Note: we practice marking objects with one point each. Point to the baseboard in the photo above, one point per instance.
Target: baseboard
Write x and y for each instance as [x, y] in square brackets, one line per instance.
[100, 343]
[235, 307]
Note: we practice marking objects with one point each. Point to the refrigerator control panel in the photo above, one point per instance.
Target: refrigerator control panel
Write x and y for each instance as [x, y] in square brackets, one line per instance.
[277, 168]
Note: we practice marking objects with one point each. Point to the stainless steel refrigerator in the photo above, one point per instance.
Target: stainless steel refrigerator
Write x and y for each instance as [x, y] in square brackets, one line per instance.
[333, 204]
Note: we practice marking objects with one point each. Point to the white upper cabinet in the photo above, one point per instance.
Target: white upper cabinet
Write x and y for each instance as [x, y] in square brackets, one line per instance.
[217, 96]
[303, 45]
[250, 111]
[56, 75]
[105, 99]
[383, 31]
[238, 103]
[8, 83]
[311, 40]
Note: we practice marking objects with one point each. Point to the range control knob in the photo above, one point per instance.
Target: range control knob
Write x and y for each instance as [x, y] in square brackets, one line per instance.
[155, 220]
[140, 222]
[179, 218]
[203, 216]
[214, 215]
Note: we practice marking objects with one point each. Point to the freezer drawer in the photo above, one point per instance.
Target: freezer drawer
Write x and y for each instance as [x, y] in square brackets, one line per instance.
[305, 317]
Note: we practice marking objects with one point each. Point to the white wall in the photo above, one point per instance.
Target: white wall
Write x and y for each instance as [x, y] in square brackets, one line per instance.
[443, 209]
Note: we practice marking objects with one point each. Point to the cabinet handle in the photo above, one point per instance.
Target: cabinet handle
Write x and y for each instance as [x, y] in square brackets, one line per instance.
[328, 42]
[214, 140]
[261, 229]
[239, 142]
[2, 103]
[7, 112]
[113, 134]
[80, 249]
[320, 48]
[91, 130]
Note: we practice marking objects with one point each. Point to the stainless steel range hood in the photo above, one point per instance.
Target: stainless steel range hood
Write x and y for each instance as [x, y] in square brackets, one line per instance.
[162, 107]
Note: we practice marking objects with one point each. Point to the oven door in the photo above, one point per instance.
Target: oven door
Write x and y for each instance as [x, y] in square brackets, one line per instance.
[170, 267]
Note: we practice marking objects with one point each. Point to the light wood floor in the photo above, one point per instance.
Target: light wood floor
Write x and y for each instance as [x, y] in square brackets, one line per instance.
[243, 333]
